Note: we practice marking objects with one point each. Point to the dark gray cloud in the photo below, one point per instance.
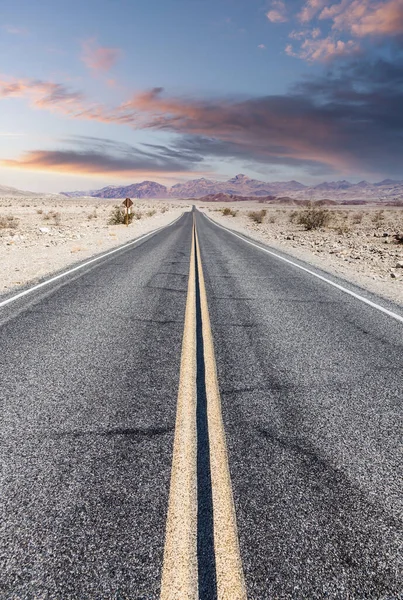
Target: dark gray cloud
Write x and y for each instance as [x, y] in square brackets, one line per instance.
[349, 120]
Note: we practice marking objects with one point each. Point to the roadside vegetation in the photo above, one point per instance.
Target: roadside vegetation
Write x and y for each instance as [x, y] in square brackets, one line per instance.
[229, 212]
[8, 222]
[257, 216]
[313, 218]
[118, 216]
[54, 216]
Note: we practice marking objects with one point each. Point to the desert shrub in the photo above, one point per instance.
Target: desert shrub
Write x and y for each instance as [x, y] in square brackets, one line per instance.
[378, 217]
[164, 209]
[228, 212]
[39, 211]
[293, 216]
[399, 238]
[313, 218]
[118, 216]
[342, 228]
[257, 216]
[8, 222]
[93, 215]
[52, 216]
[357, 218]
[57, 218]
[151, 212]
[137, 215]
[272, 219]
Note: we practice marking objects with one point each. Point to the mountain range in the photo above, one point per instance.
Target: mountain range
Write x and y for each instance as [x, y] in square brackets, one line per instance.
[242, 185]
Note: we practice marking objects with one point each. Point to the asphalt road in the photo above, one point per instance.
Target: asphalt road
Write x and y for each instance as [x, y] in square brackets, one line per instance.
[311, 386]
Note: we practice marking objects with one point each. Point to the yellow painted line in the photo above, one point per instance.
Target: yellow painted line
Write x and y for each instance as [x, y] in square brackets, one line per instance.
[229, 571]
[180, 572]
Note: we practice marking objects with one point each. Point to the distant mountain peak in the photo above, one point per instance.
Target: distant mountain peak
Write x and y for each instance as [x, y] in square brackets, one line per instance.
[243, 186]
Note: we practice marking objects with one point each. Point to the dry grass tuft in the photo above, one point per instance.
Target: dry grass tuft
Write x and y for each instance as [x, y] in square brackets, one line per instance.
[313, 218]
[257, 216]
[8, 222]
[228, 212]
[118, 216]
[53, 216]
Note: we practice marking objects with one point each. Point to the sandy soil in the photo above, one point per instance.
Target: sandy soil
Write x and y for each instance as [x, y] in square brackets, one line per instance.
[357, 244]
[41, 235]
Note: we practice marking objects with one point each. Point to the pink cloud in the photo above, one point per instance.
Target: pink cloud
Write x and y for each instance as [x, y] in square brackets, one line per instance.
[326, 48]
[310, 10]
[99, 58]
[363, 18]
[349, 18]
[277, 14]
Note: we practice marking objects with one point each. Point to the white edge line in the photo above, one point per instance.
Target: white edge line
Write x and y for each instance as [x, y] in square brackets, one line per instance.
[65, 273]
[290, 262]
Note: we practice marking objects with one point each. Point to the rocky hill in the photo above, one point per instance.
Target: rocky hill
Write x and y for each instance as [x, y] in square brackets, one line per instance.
[146, 189]
[241, 185]
[11, 191]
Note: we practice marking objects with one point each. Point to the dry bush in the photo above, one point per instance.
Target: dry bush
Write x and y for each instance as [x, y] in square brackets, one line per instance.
[57, 218]
[272, 219]
[257, 216]
[39, 211]
[378, 217]
[118, 216]
[151, 212]
[8, 222]
[52, 215]
[342, 228]
[313, 218]
[357, 218]
[228, 212]
[164, 209]
[93, 215]
[293, 216]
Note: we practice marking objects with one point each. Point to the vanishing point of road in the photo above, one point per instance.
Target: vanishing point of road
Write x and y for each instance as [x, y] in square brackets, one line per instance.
[195, 417]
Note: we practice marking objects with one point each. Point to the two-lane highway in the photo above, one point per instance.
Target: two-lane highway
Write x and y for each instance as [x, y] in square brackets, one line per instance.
[99, 504]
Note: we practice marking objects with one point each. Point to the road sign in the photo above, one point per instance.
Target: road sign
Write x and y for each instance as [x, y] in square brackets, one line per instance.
[127, 204]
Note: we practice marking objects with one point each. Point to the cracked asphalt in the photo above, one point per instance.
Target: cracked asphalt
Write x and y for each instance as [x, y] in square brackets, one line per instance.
[311, 386]
[89, 379]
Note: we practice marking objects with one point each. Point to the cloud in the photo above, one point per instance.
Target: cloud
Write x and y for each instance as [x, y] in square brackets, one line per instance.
[310, 9]
[366, 18]
[348, 121]
[262, 47]
[99, 58]
[42, 94]
[12, 30]
[349, 22]
[323, 49]
[278, 13]
[97, 156]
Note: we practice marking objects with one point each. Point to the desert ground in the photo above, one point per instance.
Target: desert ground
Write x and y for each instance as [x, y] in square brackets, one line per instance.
[42, 235]
[357, 243]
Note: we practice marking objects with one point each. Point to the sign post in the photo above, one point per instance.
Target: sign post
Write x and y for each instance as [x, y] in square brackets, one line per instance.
[127, 204]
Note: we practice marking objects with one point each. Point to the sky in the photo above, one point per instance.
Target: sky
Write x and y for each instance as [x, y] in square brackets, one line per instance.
[113, 92]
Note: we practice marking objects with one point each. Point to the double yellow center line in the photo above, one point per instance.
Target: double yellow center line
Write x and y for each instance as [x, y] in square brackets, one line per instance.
[180, 575]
